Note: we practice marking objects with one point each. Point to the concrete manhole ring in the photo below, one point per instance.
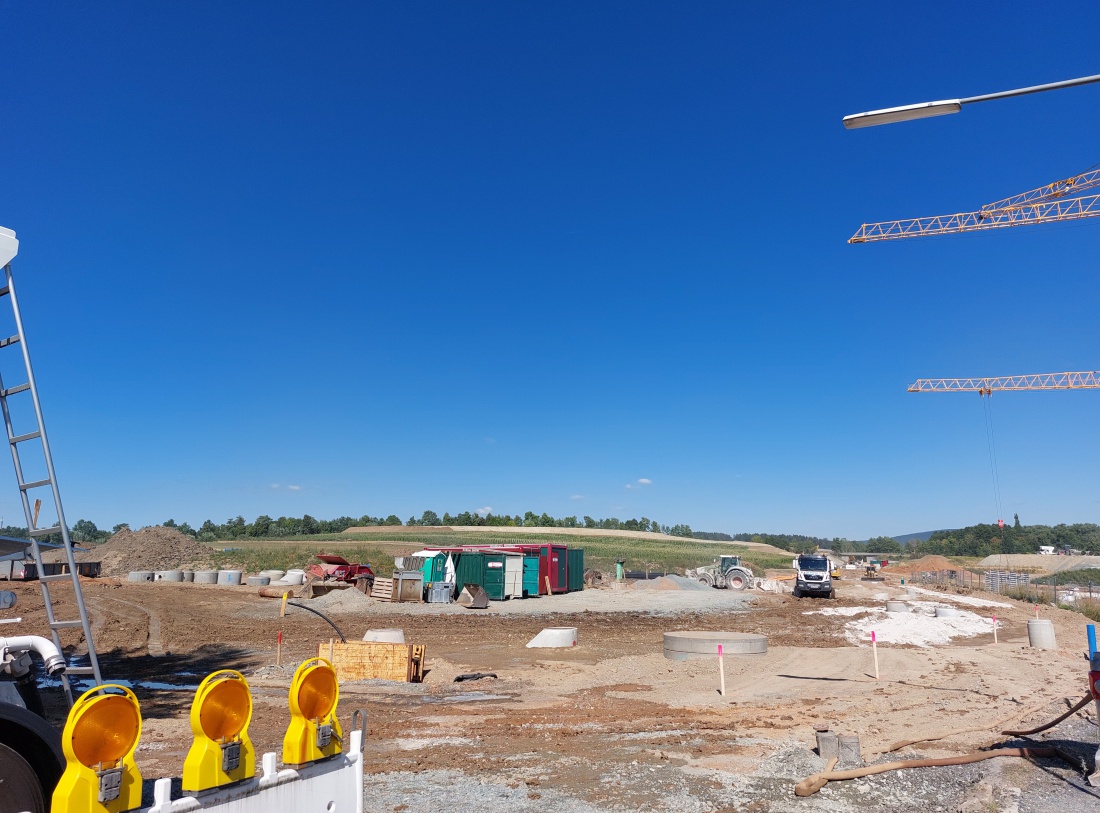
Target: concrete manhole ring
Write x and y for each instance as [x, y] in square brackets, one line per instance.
[680, 646]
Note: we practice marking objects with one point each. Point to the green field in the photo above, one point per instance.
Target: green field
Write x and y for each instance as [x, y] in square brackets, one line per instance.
[671, 555]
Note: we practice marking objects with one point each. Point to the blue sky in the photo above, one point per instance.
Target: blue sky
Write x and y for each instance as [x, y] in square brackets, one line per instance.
[349, 258]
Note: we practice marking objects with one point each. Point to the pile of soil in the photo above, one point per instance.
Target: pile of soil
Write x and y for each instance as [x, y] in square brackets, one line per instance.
[154, 548]
[346, 600]
[926, 564]
[671, 582]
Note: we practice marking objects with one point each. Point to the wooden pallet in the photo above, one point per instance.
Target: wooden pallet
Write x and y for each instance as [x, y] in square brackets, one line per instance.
[382, 590]
[366, 660]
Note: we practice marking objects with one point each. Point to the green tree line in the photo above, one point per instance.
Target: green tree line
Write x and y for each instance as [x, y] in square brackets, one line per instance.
[989, 540]
[264, 526]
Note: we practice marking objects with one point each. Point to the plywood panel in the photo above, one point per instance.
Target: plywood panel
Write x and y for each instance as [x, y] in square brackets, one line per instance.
[372, 660]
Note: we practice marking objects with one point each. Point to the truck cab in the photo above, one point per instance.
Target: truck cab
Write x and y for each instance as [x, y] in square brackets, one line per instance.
[813, 576]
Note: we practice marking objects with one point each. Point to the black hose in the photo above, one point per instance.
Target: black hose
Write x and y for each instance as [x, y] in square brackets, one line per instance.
[318, 612]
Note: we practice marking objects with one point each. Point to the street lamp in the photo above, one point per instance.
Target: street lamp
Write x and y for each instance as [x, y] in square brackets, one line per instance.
[926, 110]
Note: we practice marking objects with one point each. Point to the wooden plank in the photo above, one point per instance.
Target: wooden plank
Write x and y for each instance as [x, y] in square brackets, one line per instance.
[367, 660]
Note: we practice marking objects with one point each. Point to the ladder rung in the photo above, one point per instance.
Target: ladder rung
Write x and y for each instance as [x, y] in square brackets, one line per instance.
[55, 577]
[28, 436]
[5, 290]
[9, 340]
[14, 390]
[35, 484]
[79, 670]
[56, 529]
[60, 625]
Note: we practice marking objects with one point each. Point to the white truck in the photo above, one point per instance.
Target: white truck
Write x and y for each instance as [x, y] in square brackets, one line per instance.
[813, 576]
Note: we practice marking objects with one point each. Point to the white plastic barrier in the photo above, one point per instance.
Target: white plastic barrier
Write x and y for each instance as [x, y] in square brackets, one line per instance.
[332, 785]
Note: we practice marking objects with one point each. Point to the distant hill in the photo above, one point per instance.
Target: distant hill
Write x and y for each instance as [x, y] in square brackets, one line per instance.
[922, 536]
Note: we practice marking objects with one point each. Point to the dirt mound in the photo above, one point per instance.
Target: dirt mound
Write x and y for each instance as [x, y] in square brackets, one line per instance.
[346, 600]
[926, 564]
[155, 548]
[670, 582]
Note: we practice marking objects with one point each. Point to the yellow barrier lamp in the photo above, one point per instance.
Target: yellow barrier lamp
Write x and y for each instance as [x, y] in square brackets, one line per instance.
[99, 741]
[314, 732]
[221, 752]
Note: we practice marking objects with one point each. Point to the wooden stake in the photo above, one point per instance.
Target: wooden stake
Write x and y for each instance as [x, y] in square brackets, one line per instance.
[1036, 610]
[279, 649]
[34, 519]
[721, 671]
[549, 592]
[874, 648]
[330, 648]
[994, 629]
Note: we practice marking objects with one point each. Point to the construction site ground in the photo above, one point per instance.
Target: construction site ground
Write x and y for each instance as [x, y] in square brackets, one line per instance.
[612, 725]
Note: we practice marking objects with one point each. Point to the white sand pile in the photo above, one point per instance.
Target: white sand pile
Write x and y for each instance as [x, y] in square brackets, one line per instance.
[917, 628]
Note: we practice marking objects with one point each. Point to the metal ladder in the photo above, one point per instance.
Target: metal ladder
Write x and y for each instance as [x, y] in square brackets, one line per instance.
[38, 487]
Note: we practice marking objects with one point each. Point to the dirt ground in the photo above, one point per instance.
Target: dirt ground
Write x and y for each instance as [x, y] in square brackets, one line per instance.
[613, 724]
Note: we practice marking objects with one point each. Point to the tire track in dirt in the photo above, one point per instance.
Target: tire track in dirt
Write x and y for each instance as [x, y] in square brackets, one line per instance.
[154, 644]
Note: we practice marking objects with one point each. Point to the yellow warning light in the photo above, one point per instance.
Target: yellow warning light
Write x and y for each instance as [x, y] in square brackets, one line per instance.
[314, 732]
[99, 740]
[221, 752]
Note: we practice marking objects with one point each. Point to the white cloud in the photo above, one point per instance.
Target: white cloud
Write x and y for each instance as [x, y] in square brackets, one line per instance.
[293, 488]
[576, 497]
[274, 485]
[644, 481]
[484, 511]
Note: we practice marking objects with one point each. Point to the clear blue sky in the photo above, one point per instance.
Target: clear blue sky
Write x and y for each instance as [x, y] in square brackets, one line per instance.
[349, 258]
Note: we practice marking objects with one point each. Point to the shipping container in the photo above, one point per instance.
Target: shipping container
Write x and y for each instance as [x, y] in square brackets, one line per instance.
[531, 561]
[559, 568]
[499, 573]
[576, 569]
[553, 564]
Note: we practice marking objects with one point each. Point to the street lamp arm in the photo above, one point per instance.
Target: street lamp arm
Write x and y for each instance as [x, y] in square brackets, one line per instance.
[925, 110]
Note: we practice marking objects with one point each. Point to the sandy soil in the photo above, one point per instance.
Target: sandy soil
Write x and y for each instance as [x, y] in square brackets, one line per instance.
[1036, 563]
[612, 724]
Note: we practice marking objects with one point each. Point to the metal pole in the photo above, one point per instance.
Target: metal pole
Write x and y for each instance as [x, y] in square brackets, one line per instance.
[1004, 94]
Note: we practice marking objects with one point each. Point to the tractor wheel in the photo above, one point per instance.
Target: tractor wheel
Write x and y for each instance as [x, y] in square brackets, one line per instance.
[22, 790]
[707, 579]
[736, 580]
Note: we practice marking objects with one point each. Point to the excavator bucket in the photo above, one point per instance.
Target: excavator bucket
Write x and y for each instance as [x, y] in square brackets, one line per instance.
[473, 597]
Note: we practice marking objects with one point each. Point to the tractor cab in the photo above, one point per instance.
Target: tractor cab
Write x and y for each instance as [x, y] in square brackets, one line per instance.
[726, 562]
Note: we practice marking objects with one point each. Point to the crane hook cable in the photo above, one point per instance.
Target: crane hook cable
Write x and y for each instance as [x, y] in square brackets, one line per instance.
[991, 444]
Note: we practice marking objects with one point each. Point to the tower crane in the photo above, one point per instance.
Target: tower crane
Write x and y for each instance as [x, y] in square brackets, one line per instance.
[1088, 380]
[1052, 203]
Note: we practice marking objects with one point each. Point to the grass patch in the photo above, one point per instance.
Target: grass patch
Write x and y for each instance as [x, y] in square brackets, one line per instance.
[284, 556]
[379, 547]
[1073, 577]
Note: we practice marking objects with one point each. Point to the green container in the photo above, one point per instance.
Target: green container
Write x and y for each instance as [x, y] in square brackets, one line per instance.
[531, 575]
[434, 569]
[486, 569]
[469, 570]
[576, 569]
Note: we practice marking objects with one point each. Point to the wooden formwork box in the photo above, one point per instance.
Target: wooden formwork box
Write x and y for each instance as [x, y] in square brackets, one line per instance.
[366, 660]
